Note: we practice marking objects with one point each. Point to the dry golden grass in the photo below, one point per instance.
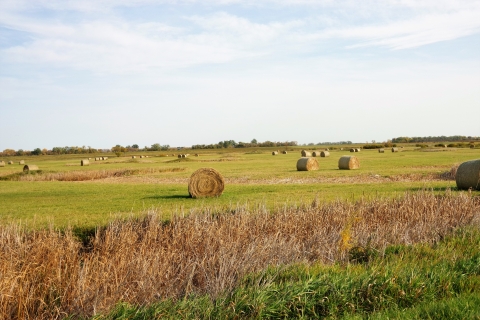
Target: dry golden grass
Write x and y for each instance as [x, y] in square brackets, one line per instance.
[87, 175]
[47, 274]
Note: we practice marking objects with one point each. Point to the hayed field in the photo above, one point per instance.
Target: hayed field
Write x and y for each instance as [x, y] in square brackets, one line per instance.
[120, 238]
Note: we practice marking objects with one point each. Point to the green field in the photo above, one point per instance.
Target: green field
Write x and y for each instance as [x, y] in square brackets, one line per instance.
[253, 177]
[122, 239]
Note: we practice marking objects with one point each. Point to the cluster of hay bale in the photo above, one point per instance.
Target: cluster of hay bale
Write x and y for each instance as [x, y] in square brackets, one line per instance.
[185, 155]
[84, 162]
[348, 163]
[307, 164]
[354, 149]
[101, 158]
[30, 167]
[468, 175]
[206, 182]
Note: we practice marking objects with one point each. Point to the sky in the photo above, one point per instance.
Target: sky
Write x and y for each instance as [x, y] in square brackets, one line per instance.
[183, 72]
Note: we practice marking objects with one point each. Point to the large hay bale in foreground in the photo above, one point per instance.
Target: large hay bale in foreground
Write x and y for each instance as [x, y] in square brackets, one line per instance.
[305, 153]
[394, 149]
[84, 162]
[348, 163]
[206, 182]
[22, 162]
[307, 164]
[2, 163]
[324, 154]
[30, 167]
[381, 150]
[468, 175]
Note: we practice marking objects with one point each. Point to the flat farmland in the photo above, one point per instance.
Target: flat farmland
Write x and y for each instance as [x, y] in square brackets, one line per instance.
[64, 193]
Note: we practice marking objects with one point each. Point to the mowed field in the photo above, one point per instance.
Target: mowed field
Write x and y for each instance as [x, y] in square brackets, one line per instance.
[64, 193]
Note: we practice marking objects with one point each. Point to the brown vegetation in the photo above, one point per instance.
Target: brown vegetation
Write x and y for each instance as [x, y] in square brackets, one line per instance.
[48, 274]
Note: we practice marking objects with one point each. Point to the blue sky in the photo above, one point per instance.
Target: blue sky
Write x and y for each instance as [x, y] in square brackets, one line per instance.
[102, 72]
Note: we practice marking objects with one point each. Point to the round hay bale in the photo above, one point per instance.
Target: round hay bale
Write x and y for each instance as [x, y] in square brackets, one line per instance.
[316, 154]
[305, 153]
[357, 149]
[196, 154]
[307, 164]
[2, 163]
[352, 149]
[348, 163]
[381, 150]
[206, 182]
[133, 157]
[183, 155]
[341, 149]
[284, 152]
[394, 149]
[324, 154]
[326, 149]
[468, 175]
[105, 158]
[22, 162]
[84, 162]
[274, 153]
[30, 167]
[10, 162]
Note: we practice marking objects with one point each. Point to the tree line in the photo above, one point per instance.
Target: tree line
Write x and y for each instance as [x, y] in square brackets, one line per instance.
[435, 139]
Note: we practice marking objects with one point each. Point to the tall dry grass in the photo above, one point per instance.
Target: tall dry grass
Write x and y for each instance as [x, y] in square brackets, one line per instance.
[48, 274]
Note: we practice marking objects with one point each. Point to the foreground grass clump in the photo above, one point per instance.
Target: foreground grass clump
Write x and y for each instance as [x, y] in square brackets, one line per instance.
[440, 281]
[49, 274]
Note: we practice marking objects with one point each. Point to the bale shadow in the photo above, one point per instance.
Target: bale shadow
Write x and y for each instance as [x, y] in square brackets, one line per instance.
[158, 197]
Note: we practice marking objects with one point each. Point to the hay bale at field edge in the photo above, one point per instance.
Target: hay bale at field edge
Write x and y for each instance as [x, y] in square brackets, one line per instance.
[30, 167]
[348, 163]
[324, 154]
[307, 164]
[206, 182]
[468, 175]
[84, 162]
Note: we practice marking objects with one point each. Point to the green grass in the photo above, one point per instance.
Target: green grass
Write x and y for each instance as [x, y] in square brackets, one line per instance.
[408, 282]
[252, 178]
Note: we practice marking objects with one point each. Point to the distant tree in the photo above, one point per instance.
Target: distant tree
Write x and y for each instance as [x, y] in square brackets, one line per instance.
[8, 152]
[156, 147]
[37, 152]
[135, 146]
[254, 141]
[20, 152]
